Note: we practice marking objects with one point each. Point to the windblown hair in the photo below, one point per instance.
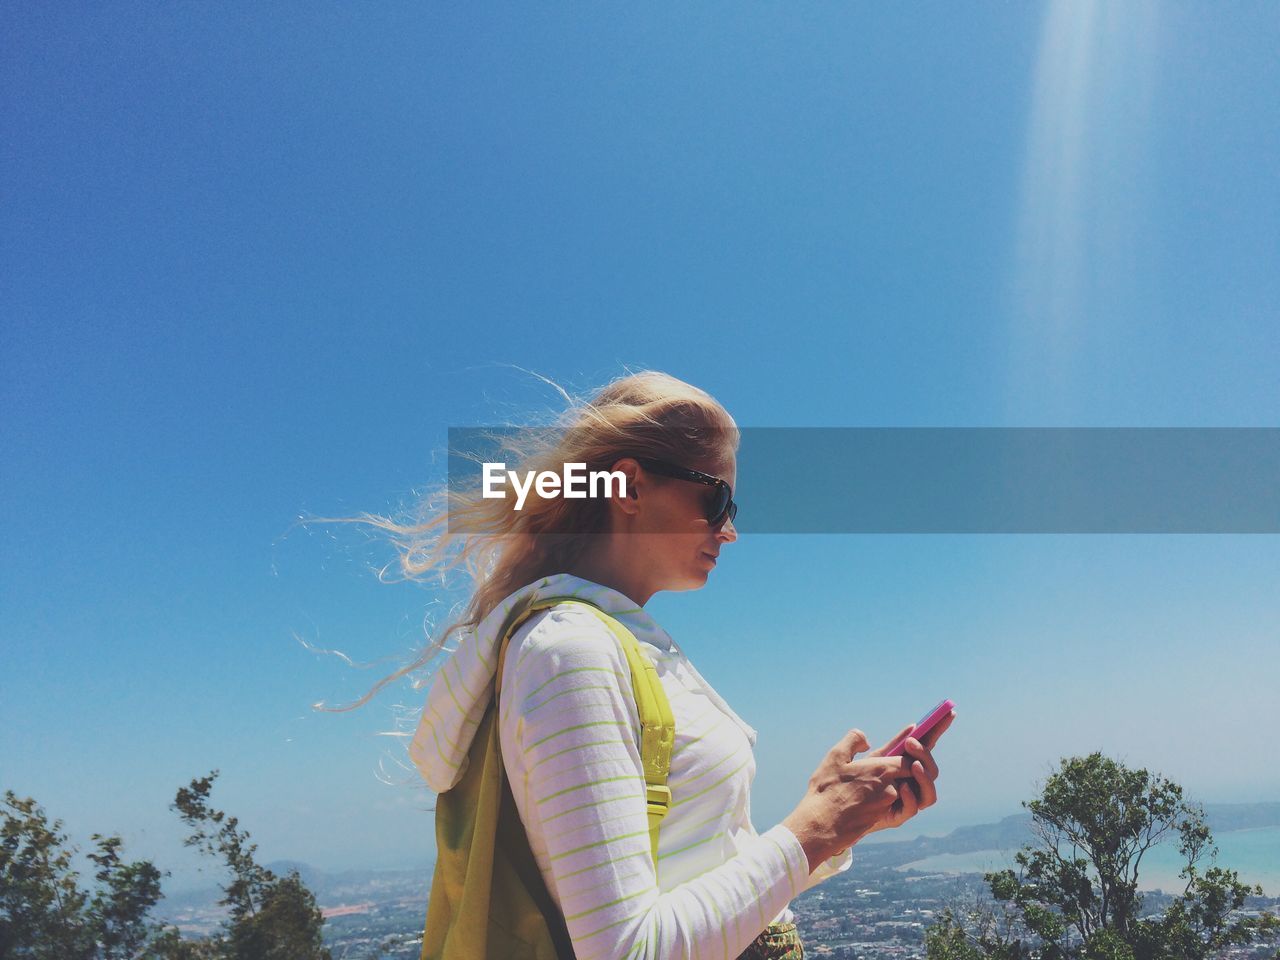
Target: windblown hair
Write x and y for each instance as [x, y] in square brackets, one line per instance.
[648, 414]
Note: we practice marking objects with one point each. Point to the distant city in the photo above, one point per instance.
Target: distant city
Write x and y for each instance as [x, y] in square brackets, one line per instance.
[877, 910]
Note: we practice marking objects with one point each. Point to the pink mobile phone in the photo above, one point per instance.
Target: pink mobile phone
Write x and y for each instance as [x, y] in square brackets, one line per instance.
[925, 724]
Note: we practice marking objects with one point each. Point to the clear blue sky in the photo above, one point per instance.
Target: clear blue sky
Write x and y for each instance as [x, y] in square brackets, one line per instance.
[257, 260]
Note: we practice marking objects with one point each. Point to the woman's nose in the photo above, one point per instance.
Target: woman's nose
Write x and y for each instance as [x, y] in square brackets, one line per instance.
[728, 533]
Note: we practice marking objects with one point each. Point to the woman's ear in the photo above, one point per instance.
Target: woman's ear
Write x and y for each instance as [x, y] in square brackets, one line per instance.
[630, 469]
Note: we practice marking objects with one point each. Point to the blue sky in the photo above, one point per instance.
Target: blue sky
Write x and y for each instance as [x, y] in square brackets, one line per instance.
[255, 262]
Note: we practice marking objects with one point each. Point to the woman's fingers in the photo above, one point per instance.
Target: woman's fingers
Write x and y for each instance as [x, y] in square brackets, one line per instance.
[899, 782]
[880, 751]
[930, 738]
[928, 790]
[851, 744]
[894, 768]
[908, 802]
[875, 792]
[921, 753]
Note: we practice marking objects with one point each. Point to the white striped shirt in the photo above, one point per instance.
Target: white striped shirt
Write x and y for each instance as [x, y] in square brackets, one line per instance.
[570, 733]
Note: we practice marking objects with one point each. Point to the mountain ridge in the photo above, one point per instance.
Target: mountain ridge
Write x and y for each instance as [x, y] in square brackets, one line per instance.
[1014, 831]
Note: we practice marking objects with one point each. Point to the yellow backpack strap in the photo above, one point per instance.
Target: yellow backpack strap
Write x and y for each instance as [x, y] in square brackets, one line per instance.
[657, 728]
[657, 722]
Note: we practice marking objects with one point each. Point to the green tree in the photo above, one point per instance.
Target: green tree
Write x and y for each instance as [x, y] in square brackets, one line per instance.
[126, 892]
[287, 924]
[947, 939]
[975, 929]
[272, 918]
[169, 945]
[44, 913]
[1075, 893]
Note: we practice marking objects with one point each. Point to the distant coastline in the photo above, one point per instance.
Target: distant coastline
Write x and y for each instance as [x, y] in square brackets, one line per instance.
[1247, 837]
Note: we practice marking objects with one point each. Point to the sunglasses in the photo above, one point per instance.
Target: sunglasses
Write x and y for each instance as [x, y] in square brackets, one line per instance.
[719, 507]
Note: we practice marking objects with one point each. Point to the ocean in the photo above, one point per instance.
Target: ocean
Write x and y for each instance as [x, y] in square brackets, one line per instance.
[1254, 854]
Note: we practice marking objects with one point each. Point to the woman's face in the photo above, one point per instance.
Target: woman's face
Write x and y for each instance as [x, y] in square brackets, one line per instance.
[676, 545]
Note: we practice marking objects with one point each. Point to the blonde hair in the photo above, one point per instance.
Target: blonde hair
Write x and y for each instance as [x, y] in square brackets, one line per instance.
[649, 414]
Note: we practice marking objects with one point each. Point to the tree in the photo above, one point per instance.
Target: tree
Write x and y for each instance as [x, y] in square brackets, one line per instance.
[272, 918]
[949, 939]
[1075, 894]
[45, 915]
[169, 945]
[126, 892]
[287, 924]
[973, 929]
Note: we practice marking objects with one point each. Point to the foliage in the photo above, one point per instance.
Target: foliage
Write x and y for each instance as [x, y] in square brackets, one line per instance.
[272, 918]
[946, 939]
[44, 913]
[975, 929]
[1075, 894]
[170, 945]
[286, 926]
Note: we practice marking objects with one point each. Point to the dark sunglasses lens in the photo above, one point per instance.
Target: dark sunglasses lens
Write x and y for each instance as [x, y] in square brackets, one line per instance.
[721, 506]
[731, 514]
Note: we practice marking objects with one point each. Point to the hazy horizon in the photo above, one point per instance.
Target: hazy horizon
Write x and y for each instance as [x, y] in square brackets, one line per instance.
[1159, 868]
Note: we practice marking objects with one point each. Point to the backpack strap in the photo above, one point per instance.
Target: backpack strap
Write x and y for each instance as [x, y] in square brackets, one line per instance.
[657, 722]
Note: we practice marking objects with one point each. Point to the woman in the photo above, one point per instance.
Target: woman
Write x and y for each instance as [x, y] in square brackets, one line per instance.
[569, 728]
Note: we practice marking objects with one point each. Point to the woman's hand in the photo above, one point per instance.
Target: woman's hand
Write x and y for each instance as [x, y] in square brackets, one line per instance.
[920, 792]
[849, 798]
